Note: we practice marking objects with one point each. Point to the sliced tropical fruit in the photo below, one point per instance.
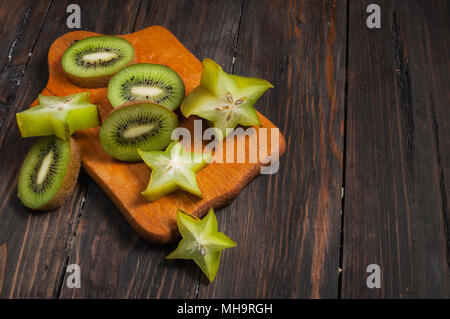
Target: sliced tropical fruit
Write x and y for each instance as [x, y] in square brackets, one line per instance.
[224, 99]
[145, 81]
[137, 125]
[91, 62]
[49, 173]
[201, 242]
[60, 116]
[173, 169]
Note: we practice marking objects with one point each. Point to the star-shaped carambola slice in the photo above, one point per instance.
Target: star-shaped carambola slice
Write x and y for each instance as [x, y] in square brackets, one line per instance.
[225, 99]
[173, 169]
[201, 242]
[60, 116]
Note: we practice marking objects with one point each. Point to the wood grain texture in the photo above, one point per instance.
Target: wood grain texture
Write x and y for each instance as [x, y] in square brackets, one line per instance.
[149, 274]
[393, 205]
[287, 225]
[397, 163]
[35, 246]
[435, 90]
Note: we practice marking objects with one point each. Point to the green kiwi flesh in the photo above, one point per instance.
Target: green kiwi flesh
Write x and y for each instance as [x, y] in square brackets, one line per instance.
[144, 81]
[137, 125]
[49, 173]
[92, 61]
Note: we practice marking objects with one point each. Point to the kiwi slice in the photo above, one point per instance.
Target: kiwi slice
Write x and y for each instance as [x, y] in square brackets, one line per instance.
[92, 62]
[144, 81]
[49, 173]
[226, 100]
[60, 116]
[173, 169]
[137, 125]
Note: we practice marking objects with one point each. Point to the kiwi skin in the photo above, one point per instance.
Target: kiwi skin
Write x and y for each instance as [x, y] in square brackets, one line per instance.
[94, 82]
[70, 179]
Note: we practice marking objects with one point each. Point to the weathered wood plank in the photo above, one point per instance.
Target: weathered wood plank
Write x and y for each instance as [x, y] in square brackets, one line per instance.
[393, 212]
[118, 264]
[287, 225]
[35, 246]
[434, 67]
[21, 23]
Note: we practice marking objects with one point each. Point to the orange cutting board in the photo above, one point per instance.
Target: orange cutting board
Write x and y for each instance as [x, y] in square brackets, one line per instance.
[123, 182]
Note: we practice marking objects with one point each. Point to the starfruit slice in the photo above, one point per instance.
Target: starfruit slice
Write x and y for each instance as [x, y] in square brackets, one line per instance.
[173, 169]
[224, 99]
[201, 242]
[60, 116]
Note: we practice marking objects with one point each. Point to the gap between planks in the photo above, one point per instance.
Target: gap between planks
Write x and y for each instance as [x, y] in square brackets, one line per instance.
[344, 152]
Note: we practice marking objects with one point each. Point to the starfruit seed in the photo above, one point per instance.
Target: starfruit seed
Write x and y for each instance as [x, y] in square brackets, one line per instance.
[229, 97]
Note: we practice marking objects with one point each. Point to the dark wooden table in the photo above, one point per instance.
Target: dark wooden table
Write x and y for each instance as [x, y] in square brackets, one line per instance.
[365, 178]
